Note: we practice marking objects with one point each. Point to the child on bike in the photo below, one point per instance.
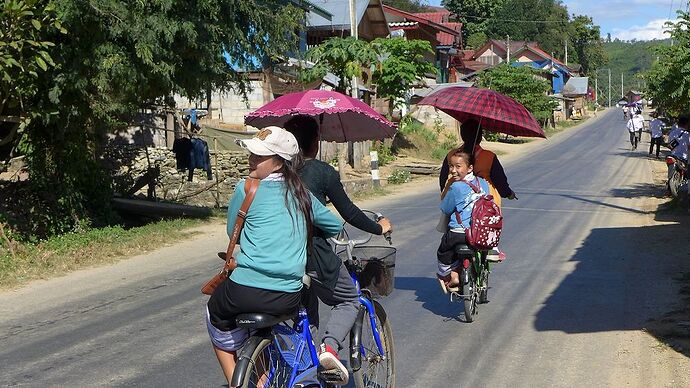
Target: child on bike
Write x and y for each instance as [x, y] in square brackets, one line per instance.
[273, 243]
[457, 202]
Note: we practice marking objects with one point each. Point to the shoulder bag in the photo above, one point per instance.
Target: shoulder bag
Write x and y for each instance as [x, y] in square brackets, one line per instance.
[250, 187]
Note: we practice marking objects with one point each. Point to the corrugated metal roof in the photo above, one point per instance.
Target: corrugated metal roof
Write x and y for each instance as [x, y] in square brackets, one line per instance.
[576, 86]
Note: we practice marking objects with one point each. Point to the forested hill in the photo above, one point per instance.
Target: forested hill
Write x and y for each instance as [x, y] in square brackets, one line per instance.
[630, 58]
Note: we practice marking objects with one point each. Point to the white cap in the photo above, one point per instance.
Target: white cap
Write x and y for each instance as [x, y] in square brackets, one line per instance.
[272, 141]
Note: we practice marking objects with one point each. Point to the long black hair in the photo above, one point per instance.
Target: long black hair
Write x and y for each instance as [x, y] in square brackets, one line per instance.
[298, 190]
[471, 134]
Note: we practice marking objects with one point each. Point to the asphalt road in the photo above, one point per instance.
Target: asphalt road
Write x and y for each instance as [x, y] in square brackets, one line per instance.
[572, 290]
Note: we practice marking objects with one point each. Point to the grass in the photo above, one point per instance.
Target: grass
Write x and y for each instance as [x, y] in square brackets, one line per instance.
[92, 247]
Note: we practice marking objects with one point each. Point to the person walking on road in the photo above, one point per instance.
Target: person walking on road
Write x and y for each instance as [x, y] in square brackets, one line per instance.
[655, 128]
[635, 125]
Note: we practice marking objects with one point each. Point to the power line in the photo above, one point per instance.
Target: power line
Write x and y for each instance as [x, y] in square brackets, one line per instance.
[670, 10]
[515, 20]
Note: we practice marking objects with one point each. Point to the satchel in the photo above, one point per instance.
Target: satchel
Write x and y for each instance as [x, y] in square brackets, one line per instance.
[250, 187]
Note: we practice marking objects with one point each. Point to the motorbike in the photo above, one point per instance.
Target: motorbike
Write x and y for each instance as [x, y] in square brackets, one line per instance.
[678, 181]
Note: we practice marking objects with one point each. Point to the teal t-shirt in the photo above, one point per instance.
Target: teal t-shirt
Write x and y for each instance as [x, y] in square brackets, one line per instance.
[273, 241]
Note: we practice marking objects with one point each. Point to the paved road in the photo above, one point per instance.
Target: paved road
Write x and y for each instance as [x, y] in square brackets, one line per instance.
[561, 312]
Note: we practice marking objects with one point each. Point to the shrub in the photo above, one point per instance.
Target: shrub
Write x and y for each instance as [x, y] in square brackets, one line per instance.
[399, 176]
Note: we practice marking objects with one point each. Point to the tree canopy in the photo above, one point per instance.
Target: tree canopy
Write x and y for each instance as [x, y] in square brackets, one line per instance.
[668, 81]
[111, 57]
[343, 57]
[475, 15]
[403, 65]
[524, 85]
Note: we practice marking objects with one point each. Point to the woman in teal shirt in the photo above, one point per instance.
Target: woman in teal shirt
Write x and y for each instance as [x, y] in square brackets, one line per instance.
[273, 243]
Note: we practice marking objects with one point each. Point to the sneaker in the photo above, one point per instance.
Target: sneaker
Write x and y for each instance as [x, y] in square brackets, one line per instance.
[334, 370]
[495, 256]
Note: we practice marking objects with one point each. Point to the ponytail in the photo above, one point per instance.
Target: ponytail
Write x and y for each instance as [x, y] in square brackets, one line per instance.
[299, 192]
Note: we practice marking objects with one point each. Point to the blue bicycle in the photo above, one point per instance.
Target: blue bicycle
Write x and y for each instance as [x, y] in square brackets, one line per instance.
[281, 351]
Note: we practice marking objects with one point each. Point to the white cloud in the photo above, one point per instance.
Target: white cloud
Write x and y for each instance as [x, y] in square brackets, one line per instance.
[652, 30]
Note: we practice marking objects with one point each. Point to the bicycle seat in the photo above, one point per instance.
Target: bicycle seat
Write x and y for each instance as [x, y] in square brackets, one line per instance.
[260, 320]
[463, 250]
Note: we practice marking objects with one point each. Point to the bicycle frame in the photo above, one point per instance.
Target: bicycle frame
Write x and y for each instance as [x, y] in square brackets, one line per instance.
[356, 349]
[306, 343]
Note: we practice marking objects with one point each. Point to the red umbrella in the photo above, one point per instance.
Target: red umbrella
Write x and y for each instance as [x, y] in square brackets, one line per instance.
[494, 111]
[341, 118]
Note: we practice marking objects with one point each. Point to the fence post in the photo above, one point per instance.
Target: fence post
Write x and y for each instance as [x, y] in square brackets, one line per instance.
[375, 168]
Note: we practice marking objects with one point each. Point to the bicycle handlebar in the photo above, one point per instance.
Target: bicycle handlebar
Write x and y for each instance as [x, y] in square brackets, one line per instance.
[343, 240]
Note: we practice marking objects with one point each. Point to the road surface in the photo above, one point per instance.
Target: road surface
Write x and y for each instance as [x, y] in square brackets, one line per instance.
[566, 309]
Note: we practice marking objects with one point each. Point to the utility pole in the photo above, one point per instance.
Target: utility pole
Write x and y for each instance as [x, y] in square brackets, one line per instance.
[622, 85]
[596, 87]
[353, 33]
[609, 87]
[566, 52]
[508, 48]
[343, 147]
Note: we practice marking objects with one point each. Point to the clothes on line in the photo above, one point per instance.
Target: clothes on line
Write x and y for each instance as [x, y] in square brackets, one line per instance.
[191, 154]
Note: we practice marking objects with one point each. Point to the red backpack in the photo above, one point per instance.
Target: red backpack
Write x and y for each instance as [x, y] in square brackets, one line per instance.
[486, 221]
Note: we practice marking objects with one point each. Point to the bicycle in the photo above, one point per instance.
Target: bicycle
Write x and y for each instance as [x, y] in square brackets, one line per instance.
[280, 354]
[474, 279]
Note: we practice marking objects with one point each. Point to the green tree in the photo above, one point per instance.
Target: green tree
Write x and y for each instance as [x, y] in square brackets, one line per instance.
[476, 41]
[117, 57]
[412, 6]
[24, 54]
[542, 21]
[343, 57]
[668, 81]
[524, 85]
[475, 15]
[587, 44]
[403, 66]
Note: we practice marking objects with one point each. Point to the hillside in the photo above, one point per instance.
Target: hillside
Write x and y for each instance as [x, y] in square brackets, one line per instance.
[630, 59]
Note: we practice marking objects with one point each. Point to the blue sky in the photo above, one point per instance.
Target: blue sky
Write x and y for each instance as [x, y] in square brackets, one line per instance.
[625, 19]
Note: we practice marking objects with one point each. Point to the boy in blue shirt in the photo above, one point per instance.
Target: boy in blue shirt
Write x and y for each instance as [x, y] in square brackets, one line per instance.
[458, 202]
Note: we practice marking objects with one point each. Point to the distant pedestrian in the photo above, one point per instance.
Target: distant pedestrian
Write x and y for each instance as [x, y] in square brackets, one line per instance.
[634, 126]
[655, 128]
[639, 124]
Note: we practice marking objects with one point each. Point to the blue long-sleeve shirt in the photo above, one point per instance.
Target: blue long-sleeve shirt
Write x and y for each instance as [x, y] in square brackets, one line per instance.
[273, 242]
[461, 198]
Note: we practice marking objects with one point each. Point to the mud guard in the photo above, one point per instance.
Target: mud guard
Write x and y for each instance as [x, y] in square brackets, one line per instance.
[244, 358]
[356, 341]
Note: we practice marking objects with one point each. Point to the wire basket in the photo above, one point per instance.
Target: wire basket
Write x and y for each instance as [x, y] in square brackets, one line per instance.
[375, 268]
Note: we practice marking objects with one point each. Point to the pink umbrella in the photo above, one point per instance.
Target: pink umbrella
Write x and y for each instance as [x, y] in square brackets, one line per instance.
[341, 118]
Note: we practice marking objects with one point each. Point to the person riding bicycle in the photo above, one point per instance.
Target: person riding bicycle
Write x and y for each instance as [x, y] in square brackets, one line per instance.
[273, 243]
[331, 280]
[459, 199]
[486, 166]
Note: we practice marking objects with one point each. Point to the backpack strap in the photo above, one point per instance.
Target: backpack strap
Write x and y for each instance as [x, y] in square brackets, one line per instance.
[477, 189]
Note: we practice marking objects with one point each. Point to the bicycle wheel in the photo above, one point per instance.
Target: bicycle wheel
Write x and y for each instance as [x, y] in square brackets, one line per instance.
[377, 370]
[484, 285]
[674, 183]
[267, 368]
[468, 292]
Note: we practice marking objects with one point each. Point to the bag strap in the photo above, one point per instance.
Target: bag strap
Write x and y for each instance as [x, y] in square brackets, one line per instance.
[476, 189]
[250, 187]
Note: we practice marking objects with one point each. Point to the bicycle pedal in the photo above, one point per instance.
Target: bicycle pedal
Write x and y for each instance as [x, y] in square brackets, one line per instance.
[331, 376]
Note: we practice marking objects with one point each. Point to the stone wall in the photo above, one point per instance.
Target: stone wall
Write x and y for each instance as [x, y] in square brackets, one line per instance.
[127, 163]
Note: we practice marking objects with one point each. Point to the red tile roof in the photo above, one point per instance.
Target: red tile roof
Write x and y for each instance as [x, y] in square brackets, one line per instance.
[445, 39]
[436, 17]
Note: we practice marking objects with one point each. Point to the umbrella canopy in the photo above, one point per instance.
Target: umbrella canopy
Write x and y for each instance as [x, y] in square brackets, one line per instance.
[341, 118]
[494, 111]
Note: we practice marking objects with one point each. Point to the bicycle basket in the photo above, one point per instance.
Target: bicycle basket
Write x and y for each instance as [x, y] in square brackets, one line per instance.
[377, 270]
